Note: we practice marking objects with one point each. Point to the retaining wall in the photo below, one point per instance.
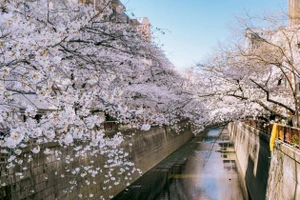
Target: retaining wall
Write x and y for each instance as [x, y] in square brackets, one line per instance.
[284, 174]
[268, 175]
[43, 179]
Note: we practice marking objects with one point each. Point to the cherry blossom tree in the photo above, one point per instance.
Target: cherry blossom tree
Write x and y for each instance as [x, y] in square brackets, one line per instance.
[62, 65]
[257, 72]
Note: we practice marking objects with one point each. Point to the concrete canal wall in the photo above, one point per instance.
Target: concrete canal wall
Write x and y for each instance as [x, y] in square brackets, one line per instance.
[268, 175]
[43, 179]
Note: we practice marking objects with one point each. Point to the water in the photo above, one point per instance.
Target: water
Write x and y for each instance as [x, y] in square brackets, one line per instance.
[204, 168]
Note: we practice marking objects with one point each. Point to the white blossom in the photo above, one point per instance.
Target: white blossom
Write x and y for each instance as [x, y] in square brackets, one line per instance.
[36, 149]
[68, 139]
[146, 127]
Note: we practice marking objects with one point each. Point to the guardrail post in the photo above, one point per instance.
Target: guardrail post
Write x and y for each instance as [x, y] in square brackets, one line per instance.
[281, 130]
[288, 136]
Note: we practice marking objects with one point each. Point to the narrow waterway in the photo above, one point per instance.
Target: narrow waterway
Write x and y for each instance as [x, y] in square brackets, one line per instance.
[205, 168]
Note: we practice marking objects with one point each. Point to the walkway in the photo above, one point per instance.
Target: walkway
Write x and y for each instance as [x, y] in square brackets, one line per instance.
[202, 169]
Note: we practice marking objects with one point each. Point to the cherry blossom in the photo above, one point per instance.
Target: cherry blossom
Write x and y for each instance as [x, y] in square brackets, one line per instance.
[64, 67]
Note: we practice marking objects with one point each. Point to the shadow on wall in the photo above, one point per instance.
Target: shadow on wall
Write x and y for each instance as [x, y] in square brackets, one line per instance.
[257, 175]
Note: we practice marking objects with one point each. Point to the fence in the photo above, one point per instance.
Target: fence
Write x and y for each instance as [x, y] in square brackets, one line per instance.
[287, 134]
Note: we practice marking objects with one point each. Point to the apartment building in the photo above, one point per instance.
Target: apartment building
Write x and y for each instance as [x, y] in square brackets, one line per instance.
[119, 16]
[144, 27]
[254, 36]
[118, 13]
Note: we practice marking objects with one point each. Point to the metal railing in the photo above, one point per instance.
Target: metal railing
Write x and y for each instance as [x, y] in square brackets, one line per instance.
[287, 134]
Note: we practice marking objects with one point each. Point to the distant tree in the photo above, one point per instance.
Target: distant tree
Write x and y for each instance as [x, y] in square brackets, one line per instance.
[257, 72]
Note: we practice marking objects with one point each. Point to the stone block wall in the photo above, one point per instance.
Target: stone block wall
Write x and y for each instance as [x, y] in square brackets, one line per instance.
[47, 177]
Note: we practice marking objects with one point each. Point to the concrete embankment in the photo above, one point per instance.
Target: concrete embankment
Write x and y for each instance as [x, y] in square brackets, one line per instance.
[268, 175]
[43, 179]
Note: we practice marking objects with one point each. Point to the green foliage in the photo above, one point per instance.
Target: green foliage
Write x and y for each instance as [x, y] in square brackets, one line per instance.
[295, 140]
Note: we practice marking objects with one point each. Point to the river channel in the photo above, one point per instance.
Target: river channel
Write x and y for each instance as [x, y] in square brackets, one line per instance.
[204, 168]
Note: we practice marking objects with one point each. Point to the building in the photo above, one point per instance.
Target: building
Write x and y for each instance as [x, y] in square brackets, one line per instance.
[253, 37]
[144, 27]
[119, 16]
[294, 12]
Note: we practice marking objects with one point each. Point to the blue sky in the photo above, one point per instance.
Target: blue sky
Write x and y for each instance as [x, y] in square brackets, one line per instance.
[194, 27]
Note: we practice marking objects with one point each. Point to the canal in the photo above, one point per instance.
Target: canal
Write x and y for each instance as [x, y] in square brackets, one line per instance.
[204, 168]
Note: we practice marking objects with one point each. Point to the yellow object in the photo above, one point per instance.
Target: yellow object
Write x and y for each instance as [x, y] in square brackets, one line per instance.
[274, 135]
[281, 135]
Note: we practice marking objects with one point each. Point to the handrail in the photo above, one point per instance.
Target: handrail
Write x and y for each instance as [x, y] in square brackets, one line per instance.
[287, 134]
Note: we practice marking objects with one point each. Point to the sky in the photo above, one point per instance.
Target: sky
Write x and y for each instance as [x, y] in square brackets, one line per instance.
[194, 27]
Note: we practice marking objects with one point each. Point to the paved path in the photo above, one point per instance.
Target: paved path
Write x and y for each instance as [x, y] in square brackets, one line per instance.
[202, 169]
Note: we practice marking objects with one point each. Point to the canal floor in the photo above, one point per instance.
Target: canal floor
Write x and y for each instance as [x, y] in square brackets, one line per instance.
[205, 168]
